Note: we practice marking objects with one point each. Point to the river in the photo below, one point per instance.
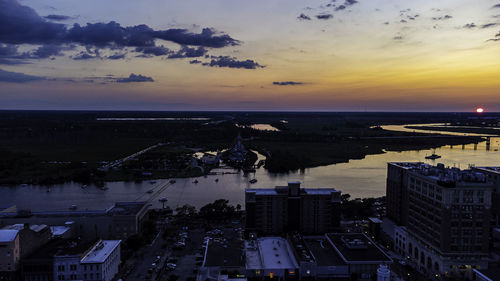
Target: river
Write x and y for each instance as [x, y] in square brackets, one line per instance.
[360, 178]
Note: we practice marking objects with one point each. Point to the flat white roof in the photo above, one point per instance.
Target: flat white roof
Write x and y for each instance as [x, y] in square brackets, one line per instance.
[276, 253]
[8, 235]
[101, 251]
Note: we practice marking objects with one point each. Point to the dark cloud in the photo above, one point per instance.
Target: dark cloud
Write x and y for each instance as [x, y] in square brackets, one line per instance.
[195, 61]
[8, 50]
[346, 4]
[22, 25]
[9, 55]
[488, 25]
[187, 52]
[288, 83]
[154, 50]
[46, 51]
[117, 56]
[497, 38]
[399, 37]
[12, 62]
[111, 35]
[207, 38]
[57, 17]
[17, 77]
[445, 17]
[470, 25]
[226, 61]
[496, 6]
[135, 78]
[304, 17]
[324, 16]
[85, 56]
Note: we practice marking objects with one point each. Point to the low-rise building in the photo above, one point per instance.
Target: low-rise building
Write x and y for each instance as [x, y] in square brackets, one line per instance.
[31, 237]
[321, 257]
[270, 257]
[359, 252]
[317, 258]
[10, 254]
[102, 261]
[119, 221]
[73, 259]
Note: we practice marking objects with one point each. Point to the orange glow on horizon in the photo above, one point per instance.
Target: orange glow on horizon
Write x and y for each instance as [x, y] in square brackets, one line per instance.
[479, 110]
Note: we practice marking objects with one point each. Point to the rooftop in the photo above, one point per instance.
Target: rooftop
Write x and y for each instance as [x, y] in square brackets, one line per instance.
[8, 235]
[322, 251]
[490, 169]
[59, 230]
[276, 253]
[20, 226]
[445, 176]
[119, 208]
[62, 247]
[284, 191]
[100, 251]
[227, 252]
[127, 208]
[357, 247]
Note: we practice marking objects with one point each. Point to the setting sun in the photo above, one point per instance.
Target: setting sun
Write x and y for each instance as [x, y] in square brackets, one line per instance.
[479, 110]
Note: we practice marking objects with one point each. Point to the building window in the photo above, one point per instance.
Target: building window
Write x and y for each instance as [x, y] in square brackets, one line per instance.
[60, 268]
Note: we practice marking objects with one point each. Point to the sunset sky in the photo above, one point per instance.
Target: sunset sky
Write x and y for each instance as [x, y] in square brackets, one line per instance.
[343, 55]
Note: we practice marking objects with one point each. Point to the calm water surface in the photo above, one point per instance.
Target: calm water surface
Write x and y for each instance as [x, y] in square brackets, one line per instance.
[360, 178]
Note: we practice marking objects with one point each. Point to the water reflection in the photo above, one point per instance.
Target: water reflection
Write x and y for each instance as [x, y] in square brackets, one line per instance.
[360, 178]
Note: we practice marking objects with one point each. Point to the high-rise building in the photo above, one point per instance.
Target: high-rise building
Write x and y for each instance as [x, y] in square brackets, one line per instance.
[493, 176]
[444, 216]
[292, 208]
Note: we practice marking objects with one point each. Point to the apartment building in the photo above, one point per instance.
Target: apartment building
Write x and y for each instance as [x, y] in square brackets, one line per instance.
[292, 208]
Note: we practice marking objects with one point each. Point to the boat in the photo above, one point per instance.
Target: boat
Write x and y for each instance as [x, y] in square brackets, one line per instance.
[152, 182]
[149, 191]
[48, 189]
[73, 207]
[172, 181]
[84, 186]
[195, 181]
[433, 156]
[252, 181]
[216, 180]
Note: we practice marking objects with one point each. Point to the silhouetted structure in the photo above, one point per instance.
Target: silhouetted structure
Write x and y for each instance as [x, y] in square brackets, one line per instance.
[443, 217]
[292, 208]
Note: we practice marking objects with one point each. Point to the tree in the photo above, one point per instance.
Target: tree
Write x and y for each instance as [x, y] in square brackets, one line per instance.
[186, 211]
[219, 209]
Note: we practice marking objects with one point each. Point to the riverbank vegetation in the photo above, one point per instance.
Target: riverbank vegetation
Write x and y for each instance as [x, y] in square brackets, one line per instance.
[47, 147]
